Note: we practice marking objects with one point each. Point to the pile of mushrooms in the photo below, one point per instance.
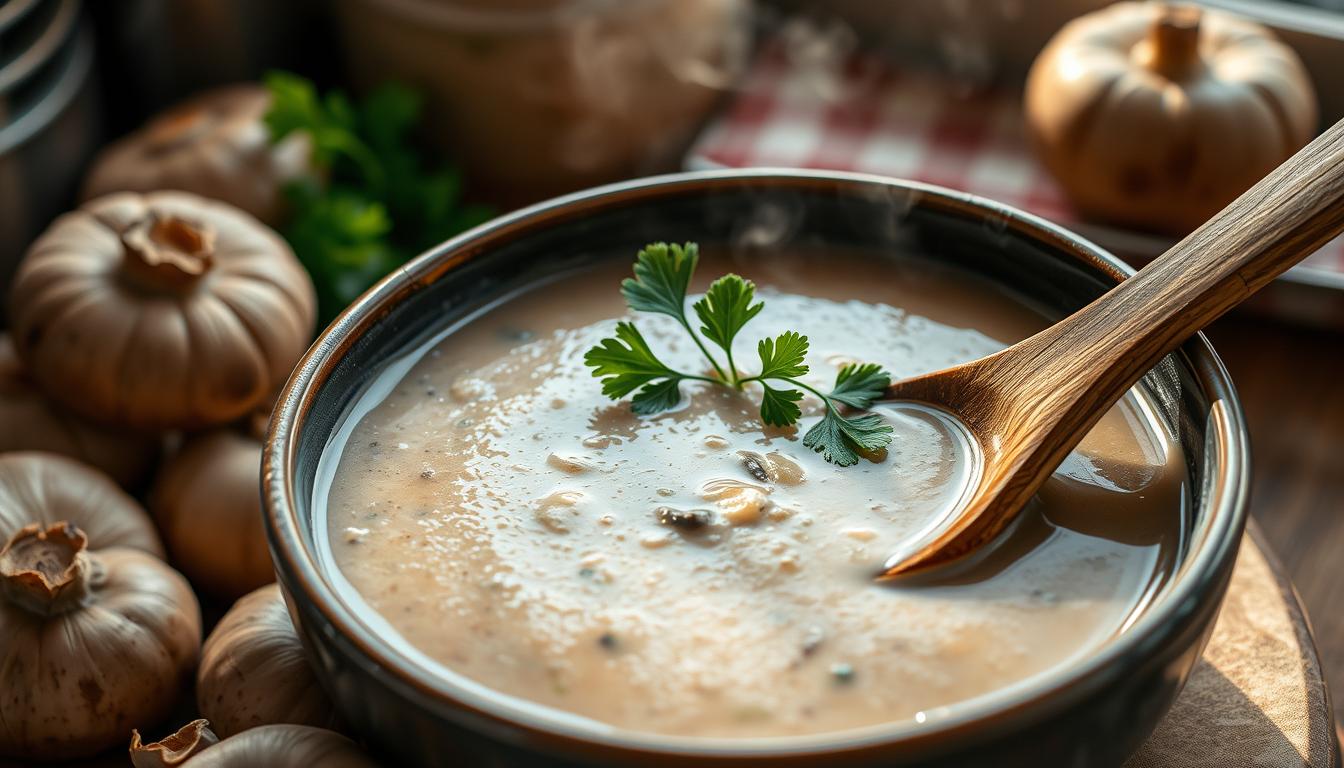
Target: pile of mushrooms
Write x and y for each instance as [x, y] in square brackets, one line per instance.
[148, 332]
[139, 315]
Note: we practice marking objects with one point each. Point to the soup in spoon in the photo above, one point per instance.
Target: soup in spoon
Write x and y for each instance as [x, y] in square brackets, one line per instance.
[697, 573]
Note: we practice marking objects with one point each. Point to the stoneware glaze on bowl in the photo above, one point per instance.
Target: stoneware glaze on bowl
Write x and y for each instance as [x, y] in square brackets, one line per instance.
[1091, 713]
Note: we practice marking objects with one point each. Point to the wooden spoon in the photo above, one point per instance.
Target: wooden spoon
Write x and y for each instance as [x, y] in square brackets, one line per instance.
[1030, 404]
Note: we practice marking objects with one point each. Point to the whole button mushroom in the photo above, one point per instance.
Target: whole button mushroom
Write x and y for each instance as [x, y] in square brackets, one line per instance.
[160, 311]
[216, 145]
[1157, 116]
[97, 633]
[45, 488]
[206, 503]
[91, 642]
[272, 746]
[30, 421]
[254, 670]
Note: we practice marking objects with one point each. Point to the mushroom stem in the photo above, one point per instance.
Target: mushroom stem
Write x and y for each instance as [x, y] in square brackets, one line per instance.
[176, 749]
[46, 570]
[168, 253]
[1173, 42]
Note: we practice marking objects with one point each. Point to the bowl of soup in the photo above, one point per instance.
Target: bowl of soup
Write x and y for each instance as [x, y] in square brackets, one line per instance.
[492, 563]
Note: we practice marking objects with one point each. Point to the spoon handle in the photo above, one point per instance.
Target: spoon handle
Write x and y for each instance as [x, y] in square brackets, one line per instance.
[1278, 222]
[1032, 403]
[1107, 346]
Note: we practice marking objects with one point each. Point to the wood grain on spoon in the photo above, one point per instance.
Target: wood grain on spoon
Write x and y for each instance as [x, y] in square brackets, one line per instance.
[1030, 404]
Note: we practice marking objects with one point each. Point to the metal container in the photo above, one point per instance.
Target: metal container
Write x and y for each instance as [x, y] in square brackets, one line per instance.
[32, 33]
[35, 40]
[43, 149]
[1094, 712]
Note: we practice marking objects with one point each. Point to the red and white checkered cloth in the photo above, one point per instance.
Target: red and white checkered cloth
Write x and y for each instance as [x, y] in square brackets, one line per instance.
[860, 114]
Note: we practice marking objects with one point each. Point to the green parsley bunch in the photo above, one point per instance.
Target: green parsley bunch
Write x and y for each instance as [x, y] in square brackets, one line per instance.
[375, 201]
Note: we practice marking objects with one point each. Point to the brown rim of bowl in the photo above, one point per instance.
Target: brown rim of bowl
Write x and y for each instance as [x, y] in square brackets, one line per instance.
[1198, 573]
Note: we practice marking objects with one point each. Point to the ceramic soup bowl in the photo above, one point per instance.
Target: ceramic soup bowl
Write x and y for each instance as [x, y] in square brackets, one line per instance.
[1092, 712]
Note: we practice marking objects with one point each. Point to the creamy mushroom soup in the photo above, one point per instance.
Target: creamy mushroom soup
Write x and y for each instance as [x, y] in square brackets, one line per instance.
[694, 573]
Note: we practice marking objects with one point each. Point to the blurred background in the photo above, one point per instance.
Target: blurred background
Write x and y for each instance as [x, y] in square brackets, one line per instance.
[532, 98]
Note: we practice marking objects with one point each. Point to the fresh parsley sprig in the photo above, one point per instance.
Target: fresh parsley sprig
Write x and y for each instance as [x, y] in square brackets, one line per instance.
[626, 364]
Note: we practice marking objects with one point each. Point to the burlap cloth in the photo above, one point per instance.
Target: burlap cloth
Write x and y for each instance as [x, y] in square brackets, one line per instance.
[1257, 697]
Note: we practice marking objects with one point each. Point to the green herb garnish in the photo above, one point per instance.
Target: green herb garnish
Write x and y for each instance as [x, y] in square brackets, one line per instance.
[626, 364]
[374, 201]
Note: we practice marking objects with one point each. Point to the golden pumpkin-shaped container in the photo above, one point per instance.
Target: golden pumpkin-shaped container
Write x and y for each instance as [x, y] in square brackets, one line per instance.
[215, 144]
[1156, 116]
[160, 311]
[30, 421]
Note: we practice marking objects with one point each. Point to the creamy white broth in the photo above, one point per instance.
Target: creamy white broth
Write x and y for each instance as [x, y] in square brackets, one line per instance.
[694, 573]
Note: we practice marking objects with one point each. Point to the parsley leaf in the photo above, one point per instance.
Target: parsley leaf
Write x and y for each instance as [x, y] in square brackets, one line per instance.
[838, 438]
[657, 397]
[779, 407]
[782, 358]
[858, 385]
[625, 363]
[388, 115]
[296, 106]
[662, 275]
[725, 308]
[332, 125]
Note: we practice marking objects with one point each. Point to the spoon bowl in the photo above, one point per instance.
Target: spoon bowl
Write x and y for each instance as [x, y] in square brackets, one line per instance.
[1031, 404]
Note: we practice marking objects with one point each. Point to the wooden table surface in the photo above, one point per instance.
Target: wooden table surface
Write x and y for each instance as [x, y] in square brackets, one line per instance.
[1291, 382]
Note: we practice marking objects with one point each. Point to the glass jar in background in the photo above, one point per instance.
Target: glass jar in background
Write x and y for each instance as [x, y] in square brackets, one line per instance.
[539, 97]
